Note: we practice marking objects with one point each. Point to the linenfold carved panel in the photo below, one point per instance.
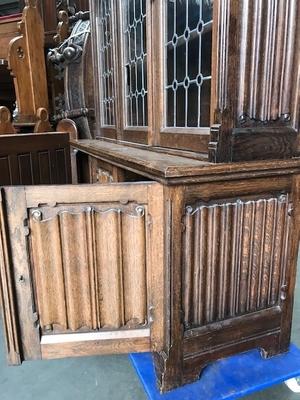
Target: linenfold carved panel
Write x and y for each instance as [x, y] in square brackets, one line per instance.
[235, 255]
[90, 267]
[268, 60]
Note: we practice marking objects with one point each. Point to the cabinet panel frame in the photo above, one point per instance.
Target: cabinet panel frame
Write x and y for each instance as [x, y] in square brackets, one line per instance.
[187, 352]
[21, 313]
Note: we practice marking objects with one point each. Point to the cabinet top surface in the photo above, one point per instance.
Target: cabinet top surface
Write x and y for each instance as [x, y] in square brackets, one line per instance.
[170, 168]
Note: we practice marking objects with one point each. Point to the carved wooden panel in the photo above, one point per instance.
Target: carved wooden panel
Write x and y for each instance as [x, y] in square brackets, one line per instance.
[90, 267]
[268, 60]
[256, 80]
[235, 256]
[86, 269]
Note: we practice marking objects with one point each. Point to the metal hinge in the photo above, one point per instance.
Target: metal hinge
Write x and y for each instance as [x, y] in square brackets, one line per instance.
[36, 320]
[283, 292]
[151, 314]
[26, 227]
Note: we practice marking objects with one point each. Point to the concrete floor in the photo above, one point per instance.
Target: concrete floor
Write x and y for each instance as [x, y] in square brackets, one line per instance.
[101, 378]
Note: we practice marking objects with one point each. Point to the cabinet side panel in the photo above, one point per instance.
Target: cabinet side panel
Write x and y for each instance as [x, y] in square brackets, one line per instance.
[234, 258]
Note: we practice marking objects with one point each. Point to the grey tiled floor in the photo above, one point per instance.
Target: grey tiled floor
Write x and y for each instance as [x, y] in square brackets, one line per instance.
[101, 378]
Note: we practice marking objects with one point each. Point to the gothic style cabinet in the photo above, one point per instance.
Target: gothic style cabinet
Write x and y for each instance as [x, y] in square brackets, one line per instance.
[183, 240]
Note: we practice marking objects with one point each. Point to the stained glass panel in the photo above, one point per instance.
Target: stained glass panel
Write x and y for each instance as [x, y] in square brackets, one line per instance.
[135, 62]
[106, 63]
[188, 51]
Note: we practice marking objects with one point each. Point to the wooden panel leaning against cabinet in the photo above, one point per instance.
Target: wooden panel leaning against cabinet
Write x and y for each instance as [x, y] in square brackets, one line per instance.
[87, 269]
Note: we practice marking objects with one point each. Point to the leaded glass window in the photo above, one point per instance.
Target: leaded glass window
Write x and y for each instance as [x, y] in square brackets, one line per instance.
[135, 62]
[107, 64]
[188, 49]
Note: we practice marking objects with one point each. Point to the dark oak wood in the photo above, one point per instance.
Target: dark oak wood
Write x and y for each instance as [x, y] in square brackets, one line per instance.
[35, 159]
[255, 48]
[196, 266]
[235, 282]
[256, 63]
[174, 169]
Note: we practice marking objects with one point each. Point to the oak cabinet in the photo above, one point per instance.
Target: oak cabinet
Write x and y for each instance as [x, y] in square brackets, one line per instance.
[182, 238]
[213, 77]
[192, 271]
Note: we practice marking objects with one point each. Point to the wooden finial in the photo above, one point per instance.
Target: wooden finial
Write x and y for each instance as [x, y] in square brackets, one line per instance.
[43, 124]
[69, 126]
[6, 127]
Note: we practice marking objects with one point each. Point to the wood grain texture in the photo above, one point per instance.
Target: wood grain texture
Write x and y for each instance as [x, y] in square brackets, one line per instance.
[268, 58]
[94, 348]
[6, 126]
[235, 256]
[8, 31]
[26, 315]
[235, 259]
[88, 262]
[7, 298]
[263, 143]
[256, 52]
[90, 268]
[174, 169]
[26, 61]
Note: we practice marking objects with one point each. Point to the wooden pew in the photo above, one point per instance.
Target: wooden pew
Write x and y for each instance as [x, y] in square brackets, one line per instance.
[22, 49]
[26, 61]
[35, 159]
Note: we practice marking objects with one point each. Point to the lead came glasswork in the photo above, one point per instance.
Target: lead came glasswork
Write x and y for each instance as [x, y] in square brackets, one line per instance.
[106, 64]
[188, 62]
[135, 62]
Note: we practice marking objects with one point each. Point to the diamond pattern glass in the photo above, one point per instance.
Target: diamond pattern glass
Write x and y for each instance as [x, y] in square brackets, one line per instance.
[135, 62]
[188, 48]
[106, 64]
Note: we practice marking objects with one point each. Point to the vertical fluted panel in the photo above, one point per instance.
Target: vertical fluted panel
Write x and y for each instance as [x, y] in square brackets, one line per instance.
[49, 275]
[90, 268]
[134, 268]
[234, 258]
[188, 256]
[266, 62]
[199, 286]
[109, 262]
[76, 275]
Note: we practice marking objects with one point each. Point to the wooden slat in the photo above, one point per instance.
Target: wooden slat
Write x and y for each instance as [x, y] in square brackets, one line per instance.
[7, 299]
[27, 318]
[156, 273]
[49, 273]
[74, 248]
[94, 348]
[134, 268]
[109, 265]
[67, 194]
